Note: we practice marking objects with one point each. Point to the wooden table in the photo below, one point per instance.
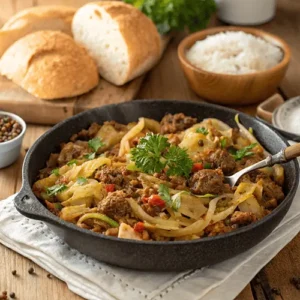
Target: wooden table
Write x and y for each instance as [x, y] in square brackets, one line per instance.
[166, 81]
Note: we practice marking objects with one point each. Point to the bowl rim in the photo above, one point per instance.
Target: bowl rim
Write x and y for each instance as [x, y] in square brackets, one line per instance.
[19, 120]
[201, 35]
[26, 189]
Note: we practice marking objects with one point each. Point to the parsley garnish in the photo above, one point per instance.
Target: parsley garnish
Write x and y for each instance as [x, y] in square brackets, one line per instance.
[207, 165]
[55, 172]
[72, 162]
[95, 144]
[81, 180]
[172, 202]
[154, 153]
[244, 152]
[202, 130]
[90, 156]
[56, 189]
[223, 143]
[176, 15]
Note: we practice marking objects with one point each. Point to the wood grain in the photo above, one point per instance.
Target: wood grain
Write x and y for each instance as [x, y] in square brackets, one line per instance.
[166, 81]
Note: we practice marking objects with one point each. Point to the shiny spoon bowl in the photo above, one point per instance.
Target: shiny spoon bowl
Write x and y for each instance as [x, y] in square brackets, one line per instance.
[281, 157]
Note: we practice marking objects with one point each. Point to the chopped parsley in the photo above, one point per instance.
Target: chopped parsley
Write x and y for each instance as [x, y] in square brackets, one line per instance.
[154, 153]
[81, 180]
[202, 130]
[55, 189]
[223, 143]
[90, 156]
[95, 144]
[55, 172]
[207, 165]
[72, 162]
[244, 152]
[173, 202]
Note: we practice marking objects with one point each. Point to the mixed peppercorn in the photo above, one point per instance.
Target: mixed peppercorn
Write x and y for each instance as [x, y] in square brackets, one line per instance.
[9, 128]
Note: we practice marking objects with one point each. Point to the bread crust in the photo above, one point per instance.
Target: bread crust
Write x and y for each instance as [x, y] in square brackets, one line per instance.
[50, 65]
[140, 35]
[56, 17]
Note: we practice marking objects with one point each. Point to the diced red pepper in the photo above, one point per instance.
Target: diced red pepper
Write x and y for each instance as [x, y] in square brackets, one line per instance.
[110, 188]
[197, 167]
[139, 227]
[145, 199]
[155, 200]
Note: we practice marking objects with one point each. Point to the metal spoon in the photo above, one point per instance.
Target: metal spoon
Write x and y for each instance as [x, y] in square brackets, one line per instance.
[284, 155]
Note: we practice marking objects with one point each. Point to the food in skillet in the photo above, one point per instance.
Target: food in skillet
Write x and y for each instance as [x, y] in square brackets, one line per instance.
[160, 181]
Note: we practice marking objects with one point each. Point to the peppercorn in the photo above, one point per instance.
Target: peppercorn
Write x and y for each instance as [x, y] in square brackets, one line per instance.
[14, 272]
[9, 129]
[49, 276]
[12, 295]
[31, 271]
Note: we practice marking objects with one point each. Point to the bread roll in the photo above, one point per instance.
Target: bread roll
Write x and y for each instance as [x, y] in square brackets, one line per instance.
[49, 65]
[35, 19]
[124, 42]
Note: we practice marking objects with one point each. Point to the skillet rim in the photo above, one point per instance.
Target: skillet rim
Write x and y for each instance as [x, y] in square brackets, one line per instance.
[26, 189]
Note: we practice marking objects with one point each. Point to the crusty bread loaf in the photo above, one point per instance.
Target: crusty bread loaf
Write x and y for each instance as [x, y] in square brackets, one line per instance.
[49, 65]
[33, 19]
[124, 42]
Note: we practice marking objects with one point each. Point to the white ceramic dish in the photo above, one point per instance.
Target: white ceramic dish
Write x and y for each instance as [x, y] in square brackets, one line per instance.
[287, 116]
[10, 150]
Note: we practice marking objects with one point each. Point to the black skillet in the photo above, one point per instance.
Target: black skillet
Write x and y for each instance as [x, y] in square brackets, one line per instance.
[162, 256]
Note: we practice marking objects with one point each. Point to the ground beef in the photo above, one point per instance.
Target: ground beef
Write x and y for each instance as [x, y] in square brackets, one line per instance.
[113, 175]
[115, 205]
[176, 182]
[175, 123]
[271, 190]
[72, 151]
[151, 210]
[207, 182]
[217, 228]
[242, 218]
[86, 134]
[222, 159]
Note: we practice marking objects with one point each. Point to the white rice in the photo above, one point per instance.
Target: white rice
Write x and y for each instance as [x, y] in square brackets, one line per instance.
[234, 52]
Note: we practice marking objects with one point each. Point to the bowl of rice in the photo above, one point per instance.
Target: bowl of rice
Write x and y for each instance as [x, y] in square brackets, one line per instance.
[234, 65]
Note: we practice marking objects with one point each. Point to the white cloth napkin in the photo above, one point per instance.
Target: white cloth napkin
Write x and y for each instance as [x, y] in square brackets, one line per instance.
[94, 280]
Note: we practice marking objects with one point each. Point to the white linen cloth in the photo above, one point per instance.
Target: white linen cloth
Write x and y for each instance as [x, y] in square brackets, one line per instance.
[94, 280]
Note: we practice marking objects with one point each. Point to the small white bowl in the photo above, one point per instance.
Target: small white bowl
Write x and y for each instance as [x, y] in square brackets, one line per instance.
[10, 150]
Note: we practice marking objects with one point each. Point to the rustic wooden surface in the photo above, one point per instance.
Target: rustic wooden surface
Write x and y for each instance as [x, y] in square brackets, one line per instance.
[166, 81]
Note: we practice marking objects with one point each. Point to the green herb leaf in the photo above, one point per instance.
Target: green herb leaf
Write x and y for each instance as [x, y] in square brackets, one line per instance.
[207, 166]
[176, 15]
[56, 189]
[178, 162]
[95, 144]
[202, 130]
[164, 193]
[244, 152]
[147, 154]
[154, 153]
[55, 172]
[72, 162]
[223, 143]
[90, 156]
[58, 206]
[81, 180]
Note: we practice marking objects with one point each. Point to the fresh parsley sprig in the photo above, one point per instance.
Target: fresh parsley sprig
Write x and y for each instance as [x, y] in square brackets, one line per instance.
[202, 130]
[176, 15]
[244, 152]
[154, 153]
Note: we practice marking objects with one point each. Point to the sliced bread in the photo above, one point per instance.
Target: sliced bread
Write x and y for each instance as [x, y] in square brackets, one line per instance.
[56, 17]
[123, 41]
[49, 65]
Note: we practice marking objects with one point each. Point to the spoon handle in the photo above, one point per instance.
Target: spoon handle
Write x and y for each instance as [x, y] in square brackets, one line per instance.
[292, 151]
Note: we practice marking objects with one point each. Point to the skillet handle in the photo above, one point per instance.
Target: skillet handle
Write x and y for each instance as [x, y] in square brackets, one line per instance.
[31, 207]
[292, 151]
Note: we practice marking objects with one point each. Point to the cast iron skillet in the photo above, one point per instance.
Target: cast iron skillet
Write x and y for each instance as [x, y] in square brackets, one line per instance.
[162, 256]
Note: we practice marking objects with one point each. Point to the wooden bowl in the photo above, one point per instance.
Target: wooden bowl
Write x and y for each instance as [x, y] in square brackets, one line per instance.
[231, 89]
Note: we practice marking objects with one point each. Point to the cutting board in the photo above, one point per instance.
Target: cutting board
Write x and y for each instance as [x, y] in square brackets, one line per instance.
[37, 111]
